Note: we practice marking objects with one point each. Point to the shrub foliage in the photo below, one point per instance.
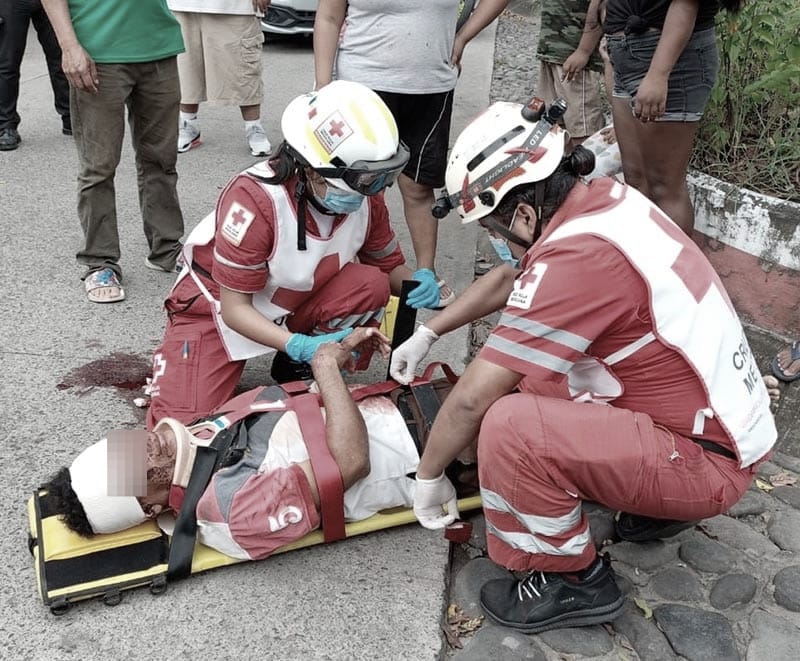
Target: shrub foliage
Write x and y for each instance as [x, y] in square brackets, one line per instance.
[750, 133]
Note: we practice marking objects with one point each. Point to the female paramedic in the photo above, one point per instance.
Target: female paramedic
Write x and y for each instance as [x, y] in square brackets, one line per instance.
[618, 372]
[298, 251]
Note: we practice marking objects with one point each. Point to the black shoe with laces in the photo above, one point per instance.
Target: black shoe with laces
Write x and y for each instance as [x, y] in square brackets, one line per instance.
[546, 600]
[636, 528]
[284, 369]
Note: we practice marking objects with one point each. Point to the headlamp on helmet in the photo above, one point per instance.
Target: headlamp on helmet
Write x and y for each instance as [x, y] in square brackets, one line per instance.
[507, 145]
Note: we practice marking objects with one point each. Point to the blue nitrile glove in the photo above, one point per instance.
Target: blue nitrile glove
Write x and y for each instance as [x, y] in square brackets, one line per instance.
[303, 347]
[426, 293]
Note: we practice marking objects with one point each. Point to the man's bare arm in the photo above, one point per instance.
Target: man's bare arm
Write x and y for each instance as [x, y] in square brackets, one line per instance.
[78, 67]
[345, 428]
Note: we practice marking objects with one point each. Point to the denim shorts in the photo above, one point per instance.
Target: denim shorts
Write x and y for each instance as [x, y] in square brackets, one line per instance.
[690, 82]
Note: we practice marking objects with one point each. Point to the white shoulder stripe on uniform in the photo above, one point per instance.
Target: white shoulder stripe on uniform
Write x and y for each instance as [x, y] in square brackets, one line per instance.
[388, 249]
[528, 355]
[535, 329]
[234, 265]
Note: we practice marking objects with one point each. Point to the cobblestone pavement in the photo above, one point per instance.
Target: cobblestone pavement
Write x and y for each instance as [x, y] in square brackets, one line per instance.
[727, 589]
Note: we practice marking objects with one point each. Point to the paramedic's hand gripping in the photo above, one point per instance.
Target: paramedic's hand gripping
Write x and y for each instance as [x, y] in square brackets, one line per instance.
[426, 294]
[407, 357]
[431, 498]
[303, 347]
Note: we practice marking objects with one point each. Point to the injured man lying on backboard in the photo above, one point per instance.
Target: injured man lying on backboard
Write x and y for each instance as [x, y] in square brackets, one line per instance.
[265, 489]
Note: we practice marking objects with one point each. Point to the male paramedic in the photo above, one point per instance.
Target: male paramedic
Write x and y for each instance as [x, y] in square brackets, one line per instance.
[267, 496]
[618, 373]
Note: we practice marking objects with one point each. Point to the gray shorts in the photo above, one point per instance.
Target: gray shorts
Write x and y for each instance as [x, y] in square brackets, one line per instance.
[690, 82]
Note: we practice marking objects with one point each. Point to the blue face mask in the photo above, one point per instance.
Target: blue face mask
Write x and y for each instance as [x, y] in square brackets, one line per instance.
[503, 251]
[340, 201]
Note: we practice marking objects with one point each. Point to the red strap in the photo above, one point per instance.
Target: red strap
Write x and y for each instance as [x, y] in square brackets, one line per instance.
[239, 402]
[427, 375]
[294, 387]
[385, 387]
[326, 471]
[382, 388]
[242, 405]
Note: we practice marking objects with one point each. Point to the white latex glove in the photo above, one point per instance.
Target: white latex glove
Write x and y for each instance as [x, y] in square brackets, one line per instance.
[431, 497]
[407, 357]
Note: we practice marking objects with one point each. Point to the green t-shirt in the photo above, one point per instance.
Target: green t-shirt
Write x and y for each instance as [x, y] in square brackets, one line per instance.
[561, 31]
[121, 31]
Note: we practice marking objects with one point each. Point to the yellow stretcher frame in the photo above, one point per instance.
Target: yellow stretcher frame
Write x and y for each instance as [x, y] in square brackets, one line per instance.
[51, 541]
[389, 316]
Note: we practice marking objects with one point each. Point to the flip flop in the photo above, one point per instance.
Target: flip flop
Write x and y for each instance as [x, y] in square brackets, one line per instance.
[446, 300]
[794, 356]
[102, 279]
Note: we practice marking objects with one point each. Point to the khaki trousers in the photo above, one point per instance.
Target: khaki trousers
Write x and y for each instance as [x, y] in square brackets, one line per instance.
[151, 93]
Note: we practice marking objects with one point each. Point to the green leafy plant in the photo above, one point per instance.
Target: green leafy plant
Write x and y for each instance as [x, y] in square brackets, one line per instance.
[750, 133]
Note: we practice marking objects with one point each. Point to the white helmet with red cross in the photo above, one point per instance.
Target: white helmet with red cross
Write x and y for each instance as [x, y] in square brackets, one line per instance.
[507, 145]
[346, 132]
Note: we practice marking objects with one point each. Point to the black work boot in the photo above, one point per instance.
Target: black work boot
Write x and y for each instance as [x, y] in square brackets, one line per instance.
[284, 369]
[636, 528]
[9, 139]
[546, 600]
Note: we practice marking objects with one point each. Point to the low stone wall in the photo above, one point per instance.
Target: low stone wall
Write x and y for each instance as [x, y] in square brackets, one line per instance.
[753, 241]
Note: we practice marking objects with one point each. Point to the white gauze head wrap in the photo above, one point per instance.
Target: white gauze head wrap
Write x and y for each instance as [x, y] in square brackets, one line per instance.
[89, 477]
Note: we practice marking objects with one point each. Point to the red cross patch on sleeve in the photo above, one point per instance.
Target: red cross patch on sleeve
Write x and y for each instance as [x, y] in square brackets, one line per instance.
[237, 222]
[525, 287]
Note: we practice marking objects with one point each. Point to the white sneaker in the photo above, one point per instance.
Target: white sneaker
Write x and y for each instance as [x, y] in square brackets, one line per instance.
[188, 135]
[257, 140]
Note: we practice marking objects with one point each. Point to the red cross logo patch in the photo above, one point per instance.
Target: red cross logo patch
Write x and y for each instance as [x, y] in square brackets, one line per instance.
[333, 131]
[237, 222]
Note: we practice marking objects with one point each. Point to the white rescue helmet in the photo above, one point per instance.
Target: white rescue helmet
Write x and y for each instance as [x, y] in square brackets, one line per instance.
[346, 132]
[499, 150]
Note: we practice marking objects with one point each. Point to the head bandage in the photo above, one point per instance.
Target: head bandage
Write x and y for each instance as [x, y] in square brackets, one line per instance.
[89, 478]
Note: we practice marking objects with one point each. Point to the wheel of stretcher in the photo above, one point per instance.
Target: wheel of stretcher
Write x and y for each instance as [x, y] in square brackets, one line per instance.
[158, 585]
[59, 607]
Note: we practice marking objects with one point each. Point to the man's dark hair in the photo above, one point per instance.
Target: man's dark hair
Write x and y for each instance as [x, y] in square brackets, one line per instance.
[66, 503]
[556, 187]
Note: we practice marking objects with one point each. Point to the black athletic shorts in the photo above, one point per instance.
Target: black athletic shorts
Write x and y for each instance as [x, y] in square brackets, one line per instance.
[423, 121]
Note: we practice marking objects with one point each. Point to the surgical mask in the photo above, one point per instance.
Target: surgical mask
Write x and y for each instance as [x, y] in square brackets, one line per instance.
[340, 201]
[503, 251]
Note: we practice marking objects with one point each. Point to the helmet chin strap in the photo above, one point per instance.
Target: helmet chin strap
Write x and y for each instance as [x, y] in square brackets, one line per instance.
[300, 196]
[303, 193]
[507, 234]
[538, 201]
